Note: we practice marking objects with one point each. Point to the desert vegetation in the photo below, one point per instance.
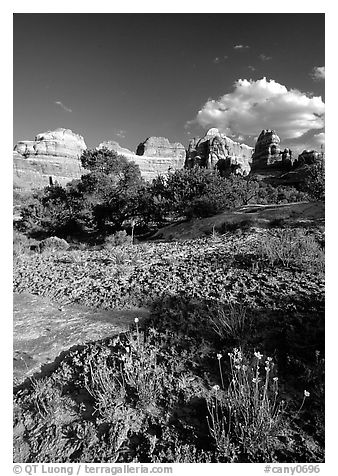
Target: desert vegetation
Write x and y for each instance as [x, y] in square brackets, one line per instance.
[229, 367]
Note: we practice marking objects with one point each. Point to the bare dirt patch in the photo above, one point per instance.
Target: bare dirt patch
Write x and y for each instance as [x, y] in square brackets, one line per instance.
[44, 329]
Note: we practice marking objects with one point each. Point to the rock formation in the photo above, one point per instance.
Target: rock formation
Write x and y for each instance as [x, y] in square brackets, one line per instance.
[115, 146]
[267, 150]
[155, 156]
[52, 157]
[308, 157]
[58, 143]
[216, 150]
[161, 147]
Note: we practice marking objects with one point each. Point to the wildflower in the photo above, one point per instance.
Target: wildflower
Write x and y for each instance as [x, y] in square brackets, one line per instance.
[275, 379]
[256, 380]
[136, 320]
[238, 367]
[258, 355]
[215, 387]
[127, 349]
[306, 393]
[219, 356]
[244, 367]
[269, 359]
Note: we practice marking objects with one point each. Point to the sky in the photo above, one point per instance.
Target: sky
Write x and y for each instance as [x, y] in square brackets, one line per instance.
[126, 77]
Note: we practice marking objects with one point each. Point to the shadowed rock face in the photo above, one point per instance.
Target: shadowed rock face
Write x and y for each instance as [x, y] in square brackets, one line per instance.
[216, 150]
[52, 157]
[267, 150]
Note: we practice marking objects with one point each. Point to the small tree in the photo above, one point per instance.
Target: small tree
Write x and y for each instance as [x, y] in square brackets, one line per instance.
[314, 183]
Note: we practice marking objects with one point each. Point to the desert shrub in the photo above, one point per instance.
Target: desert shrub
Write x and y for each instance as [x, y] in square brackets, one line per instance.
[277, 223]
[292, 247]
[230, 227]
[246, 414]
[231, 322]
[314, 183]
[119, 238]
[53, 243]
[201, 192]
[22, 244]
[102, 199]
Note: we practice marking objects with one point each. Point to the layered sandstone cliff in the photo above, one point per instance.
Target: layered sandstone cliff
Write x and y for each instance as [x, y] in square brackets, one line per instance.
[53, 156]
[155, 156]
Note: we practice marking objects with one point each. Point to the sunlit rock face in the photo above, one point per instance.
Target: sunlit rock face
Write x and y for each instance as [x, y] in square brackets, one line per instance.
[269, 154]
[58, 143]
[53, 157]
[155, 156]
[161, 147]
[114, 146]
[216, 150]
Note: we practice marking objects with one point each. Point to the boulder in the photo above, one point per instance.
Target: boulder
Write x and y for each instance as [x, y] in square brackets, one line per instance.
[53, 243]
[216, 150]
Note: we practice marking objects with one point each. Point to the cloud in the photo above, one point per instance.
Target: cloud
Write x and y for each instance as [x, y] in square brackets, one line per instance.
[252, 68]
[264, 57]
[65, 108]
[241, 47]
[217, 60]
[263, 104]
[318, 73]
[120, 133]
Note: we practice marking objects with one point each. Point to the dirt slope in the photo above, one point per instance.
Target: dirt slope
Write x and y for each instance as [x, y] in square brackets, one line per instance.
[261, 215]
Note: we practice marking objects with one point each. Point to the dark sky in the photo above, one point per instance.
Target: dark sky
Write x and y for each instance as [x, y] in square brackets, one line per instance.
[106, 76]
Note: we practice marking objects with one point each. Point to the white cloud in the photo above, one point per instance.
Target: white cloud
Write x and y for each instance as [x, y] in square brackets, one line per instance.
[65, 108]
[263, 104]
[264, 57]
[318, 73]
[252, 68]
[241, 47]
[216, 60]
[120, 133]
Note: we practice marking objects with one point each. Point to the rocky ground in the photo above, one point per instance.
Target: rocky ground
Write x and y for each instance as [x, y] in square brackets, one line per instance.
[43, 330]
[258, 289]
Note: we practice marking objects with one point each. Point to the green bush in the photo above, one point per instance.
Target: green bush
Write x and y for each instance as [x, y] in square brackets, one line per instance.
[314, 184]
[292, 247]
[119, 238]
[22, 244]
